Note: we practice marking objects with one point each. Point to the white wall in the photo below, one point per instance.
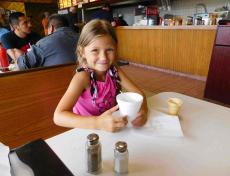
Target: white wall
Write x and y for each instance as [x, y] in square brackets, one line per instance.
[188, 7]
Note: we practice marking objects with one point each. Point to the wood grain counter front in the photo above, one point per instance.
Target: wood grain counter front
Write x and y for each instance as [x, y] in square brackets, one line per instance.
[185, 49]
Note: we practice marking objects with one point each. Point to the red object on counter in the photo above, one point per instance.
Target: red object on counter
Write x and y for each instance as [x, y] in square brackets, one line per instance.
[4, 62]
[152, 10]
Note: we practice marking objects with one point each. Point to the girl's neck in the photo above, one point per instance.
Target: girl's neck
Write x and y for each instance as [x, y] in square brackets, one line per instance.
[100, 76]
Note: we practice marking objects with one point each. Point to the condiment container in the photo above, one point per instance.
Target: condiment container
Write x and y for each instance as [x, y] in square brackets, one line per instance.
[93, 154]
[121, 158]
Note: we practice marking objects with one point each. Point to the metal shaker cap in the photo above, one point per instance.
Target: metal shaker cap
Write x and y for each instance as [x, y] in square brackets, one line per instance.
[121, 146]
[93, 138]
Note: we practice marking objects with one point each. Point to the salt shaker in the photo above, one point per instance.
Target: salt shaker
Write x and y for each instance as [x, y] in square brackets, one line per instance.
[93, 154]
[121, 158]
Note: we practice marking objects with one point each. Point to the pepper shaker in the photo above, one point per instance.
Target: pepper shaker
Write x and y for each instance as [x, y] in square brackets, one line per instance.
[93, 154]
[121, 158]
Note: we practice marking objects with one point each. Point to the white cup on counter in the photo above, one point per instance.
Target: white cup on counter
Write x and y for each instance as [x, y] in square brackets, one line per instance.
[129, 104]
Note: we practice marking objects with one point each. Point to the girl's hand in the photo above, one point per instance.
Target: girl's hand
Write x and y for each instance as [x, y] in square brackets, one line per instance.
[141, 119]
[109, 123]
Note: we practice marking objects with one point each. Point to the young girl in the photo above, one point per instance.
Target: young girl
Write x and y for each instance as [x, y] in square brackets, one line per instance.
[90, 98]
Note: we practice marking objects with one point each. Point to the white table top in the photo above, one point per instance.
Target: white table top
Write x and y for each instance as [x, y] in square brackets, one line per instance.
[204, 149]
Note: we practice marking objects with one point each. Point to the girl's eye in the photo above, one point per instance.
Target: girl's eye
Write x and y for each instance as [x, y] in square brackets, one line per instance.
[110, 49]
[94, 50]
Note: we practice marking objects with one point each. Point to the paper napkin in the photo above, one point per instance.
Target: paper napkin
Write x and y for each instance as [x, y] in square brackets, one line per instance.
[4, 160]
[161, 124]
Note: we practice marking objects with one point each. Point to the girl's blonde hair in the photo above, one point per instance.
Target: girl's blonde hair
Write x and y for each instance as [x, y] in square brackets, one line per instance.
[93, 29]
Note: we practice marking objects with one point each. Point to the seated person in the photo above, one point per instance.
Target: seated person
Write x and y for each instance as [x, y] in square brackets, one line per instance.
[20, 37]
[55, 49]
[90, 98]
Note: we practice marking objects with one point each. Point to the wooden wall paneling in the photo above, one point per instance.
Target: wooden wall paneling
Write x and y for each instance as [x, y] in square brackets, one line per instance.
[155, 47]
[181, 50]
[28, 101]
[151, 43]
[168, 49]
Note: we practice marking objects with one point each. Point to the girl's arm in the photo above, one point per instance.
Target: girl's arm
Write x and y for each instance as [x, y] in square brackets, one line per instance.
[63, 115]
[130, 86]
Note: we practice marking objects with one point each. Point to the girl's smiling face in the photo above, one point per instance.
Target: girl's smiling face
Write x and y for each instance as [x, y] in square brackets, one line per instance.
[100, 53]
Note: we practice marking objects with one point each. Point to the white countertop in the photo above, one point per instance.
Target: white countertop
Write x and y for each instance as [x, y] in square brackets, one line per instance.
[204, 149]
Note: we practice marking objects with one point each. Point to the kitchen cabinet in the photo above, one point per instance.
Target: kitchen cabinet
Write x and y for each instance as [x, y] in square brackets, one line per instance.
[218, 81]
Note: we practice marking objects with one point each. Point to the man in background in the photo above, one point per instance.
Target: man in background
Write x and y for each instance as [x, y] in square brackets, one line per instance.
[55, 49]
[122, 22]
[104, 13]
[73, 19]
[20, 37]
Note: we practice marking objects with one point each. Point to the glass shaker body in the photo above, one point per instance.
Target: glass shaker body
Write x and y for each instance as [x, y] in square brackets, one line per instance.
[121, 158]
[93, 154]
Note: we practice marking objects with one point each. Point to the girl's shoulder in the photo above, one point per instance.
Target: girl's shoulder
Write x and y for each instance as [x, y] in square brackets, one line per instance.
[85, 72]
[81, 78]
[82, 74]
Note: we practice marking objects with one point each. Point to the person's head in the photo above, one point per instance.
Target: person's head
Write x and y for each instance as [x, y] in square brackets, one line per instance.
[73, 10]
[56, 21]
[46, 14]
[120, 16]
[106, 7]
[97, 45]
[19, 23]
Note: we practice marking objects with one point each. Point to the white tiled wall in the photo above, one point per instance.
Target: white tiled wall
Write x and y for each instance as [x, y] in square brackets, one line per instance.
[188, 7]
[178, 7]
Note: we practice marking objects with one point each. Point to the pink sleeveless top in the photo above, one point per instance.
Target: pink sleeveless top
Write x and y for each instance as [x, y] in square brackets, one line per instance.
[94, 102]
